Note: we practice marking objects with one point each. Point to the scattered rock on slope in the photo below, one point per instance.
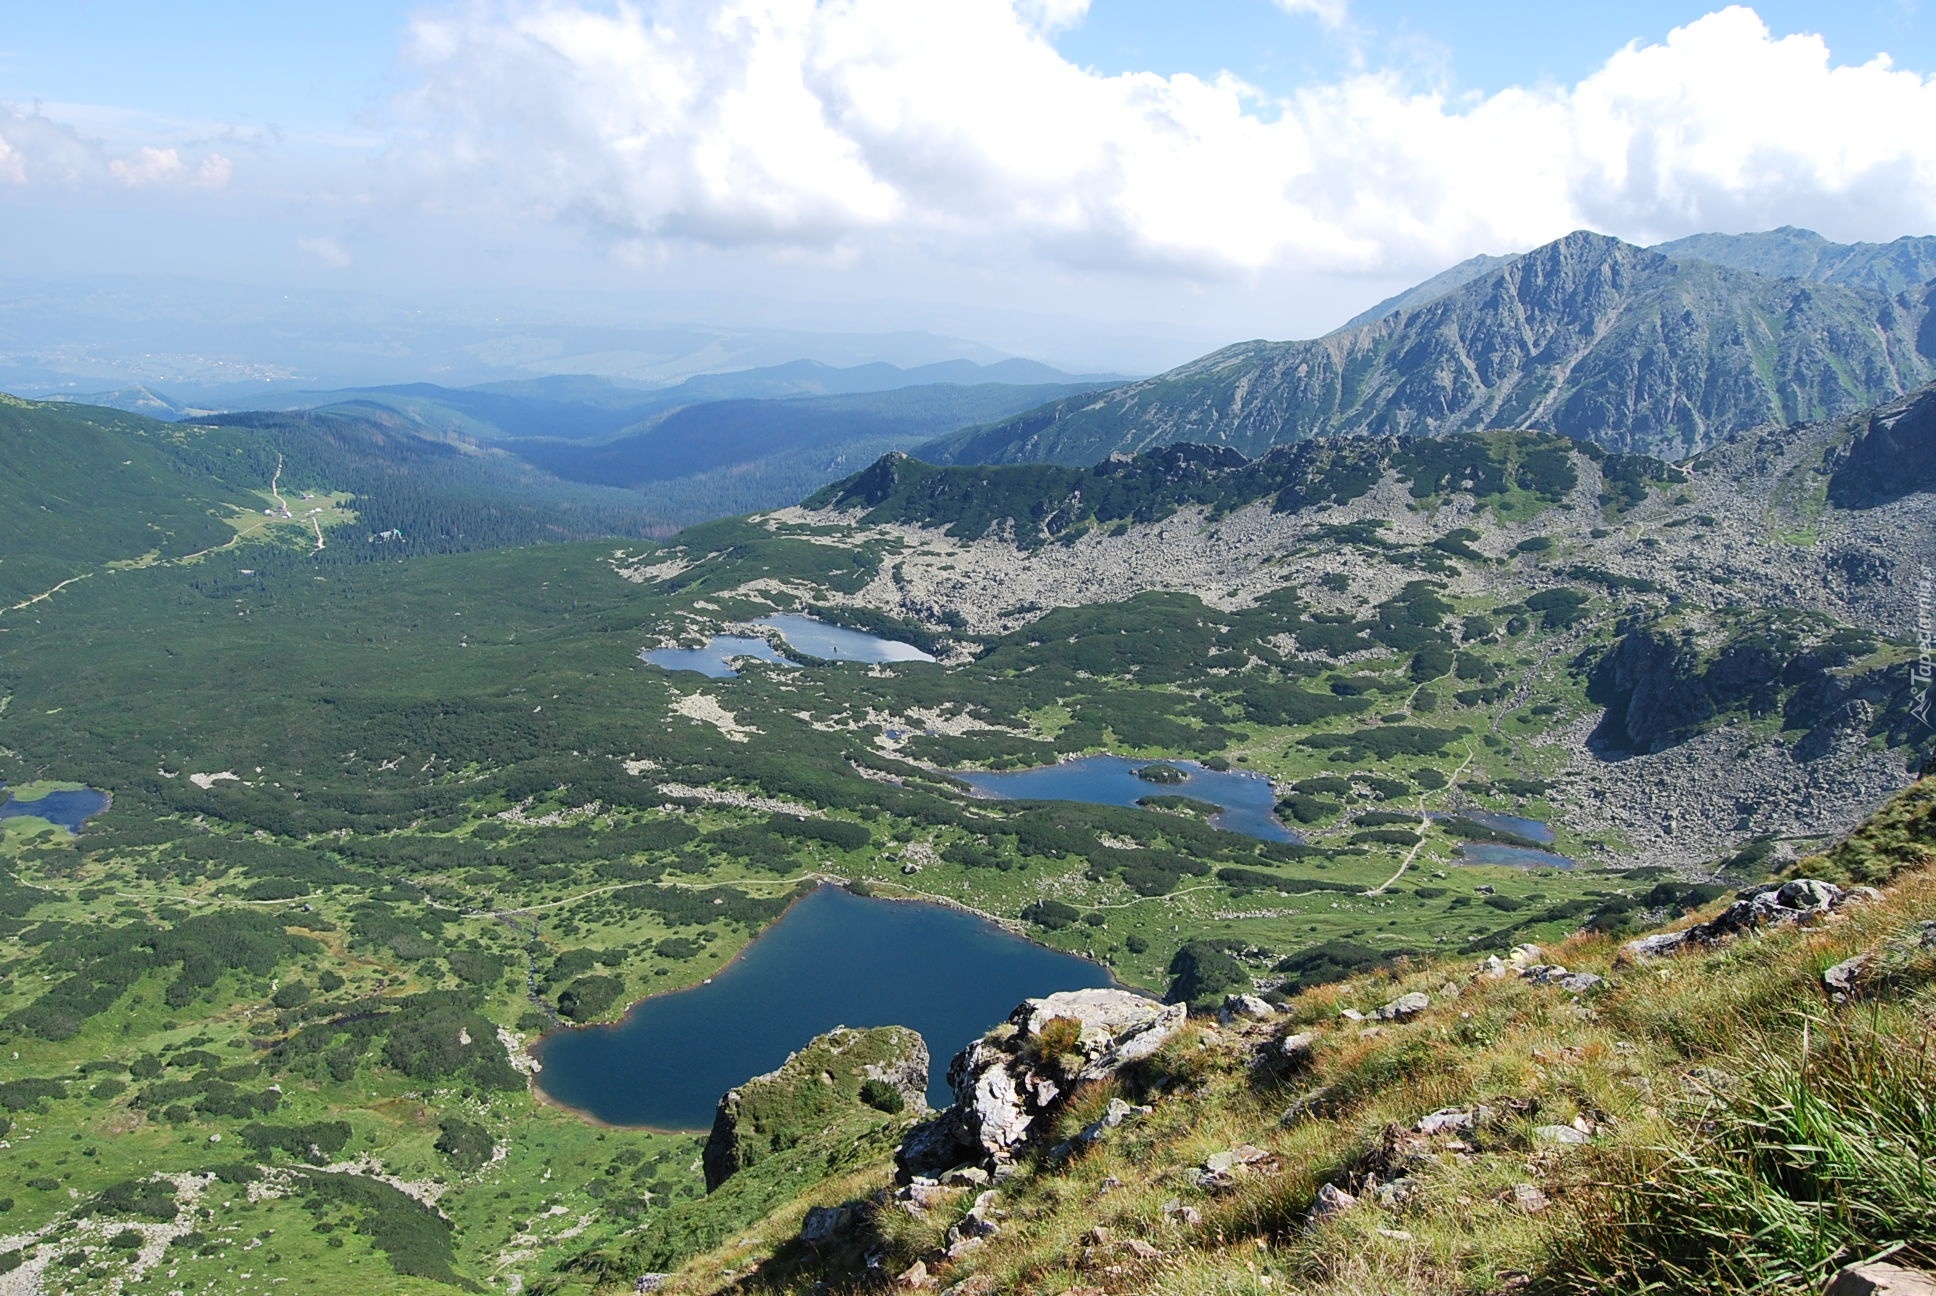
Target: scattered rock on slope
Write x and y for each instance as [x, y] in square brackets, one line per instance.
[1006, 1082]
[1764, 906]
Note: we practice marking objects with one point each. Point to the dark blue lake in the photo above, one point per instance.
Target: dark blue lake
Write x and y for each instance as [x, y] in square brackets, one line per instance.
[1248, 800]
[715, 660]
[836, 643]
[835, 959]
[71, 810]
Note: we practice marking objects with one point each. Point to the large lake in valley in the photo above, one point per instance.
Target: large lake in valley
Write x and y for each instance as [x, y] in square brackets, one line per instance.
[834, 959]
[70, 808]
[1248, 802]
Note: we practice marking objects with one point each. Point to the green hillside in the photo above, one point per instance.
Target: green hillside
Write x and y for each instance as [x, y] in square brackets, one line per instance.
[87, 487]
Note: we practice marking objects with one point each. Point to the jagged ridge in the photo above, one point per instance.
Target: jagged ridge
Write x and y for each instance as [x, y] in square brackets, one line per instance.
[1587, 336]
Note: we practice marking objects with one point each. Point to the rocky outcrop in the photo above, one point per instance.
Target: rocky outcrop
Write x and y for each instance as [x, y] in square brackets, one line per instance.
[822, 1084]
[1891, 455]
[1007, 1082]
[1661, 684]
[1804, 899]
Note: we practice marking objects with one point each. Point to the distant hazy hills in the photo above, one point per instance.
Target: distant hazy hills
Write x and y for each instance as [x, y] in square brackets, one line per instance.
[718, 434]
[134, 400]
[509, 462]
[1634, 349]
[719, 443]
[584, 407]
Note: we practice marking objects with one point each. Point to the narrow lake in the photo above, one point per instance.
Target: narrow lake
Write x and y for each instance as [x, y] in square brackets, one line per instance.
[1249, 804]
[834, 959]
[70, 809]
[836, 643]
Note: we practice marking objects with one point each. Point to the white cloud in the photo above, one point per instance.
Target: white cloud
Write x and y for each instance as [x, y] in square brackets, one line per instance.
[214, 172]
[147, 166]
[327, 250]
[1332, 13]
[36, 149]
[957, 126]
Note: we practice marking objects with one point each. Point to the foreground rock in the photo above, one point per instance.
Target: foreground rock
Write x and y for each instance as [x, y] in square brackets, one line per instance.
[1881, 1280]
[1008, 1081]
[842, 1074]
[1804, 899]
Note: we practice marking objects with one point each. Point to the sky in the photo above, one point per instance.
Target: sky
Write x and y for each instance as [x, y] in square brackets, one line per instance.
[1103, 183]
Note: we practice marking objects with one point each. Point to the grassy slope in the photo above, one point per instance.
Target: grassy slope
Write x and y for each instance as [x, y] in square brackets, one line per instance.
[1747, 1134]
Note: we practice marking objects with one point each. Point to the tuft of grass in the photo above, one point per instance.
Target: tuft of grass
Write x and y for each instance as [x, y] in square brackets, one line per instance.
[1825, 1155]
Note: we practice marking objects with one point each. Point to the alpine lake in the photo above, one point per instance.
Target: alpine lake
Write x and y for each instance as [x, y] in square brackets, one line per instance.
[1245, 803]
[803, 634]
[69, 808]
[834, 959]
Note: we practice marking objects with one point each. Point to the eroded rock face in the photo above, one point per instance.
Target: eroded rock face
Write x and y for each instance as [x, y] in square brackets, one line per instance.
[814, 1088]
[1006, 1082]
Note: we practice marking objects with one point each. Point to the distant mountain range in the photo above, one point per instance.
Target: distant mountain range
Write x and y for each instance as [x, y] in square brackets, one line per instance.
[1655, 351]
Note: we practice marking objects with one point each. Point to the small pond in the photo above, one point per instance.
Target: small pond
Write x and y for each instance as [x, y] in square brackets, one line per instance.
[1514, 856]
[70, 809]
[1248, 802]
[715, 660]
[834, 959]
[1522, 853]
[836, 643]
[1530, 829]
